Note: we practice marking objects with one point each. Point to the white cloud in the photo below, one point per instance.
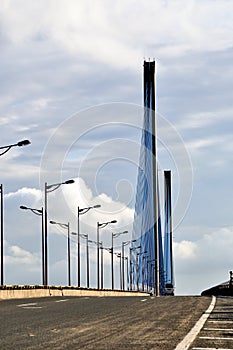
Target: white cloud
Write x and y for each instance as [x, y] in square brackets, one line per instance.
[185, 250]
[103, 32]
[20, 256]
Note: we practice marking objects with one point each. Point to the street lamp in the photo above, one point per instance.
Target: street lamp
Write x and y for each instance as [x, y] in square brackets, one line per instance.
[114, 235]
[68, 245]
[101, 225]
[5, 149]
[48, 189]
[119, 256]
[82, 211]
[19, 144]
[39, 212]
[2, 240]
[87, 251]
[123, 263]
[130, 264]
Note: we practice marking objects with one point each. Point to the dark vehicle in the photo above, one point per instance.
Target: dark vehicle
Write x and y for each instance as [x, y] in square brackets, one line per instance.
[169, 289]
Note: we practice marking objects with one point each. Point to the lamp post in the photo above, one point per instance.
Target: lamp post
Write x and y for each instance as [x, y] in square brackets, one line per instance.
[123, 258]
[114, 235]
[68, 245]
[48, 189]
[83, 235]
[5, 149]
[82, 211]
[39, 212]
[19, 144]
[119, 256]
[127, 271]
[2, 240]
[100, 225]
[102, 265]
[130, 264]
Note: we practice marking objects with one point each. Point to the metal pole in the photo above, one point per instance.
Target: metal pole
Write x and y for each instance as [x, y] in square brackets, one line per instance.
[2, 240]
[98, 258]
[120, 272]
[137, 270]
[43, 252]
[102, 266]
[127, 272]
[130, 268]
[78, 229]
[112, 265]
[87, 264]
[46, 233]
[123, 267]
[69, 277]
[143, 264]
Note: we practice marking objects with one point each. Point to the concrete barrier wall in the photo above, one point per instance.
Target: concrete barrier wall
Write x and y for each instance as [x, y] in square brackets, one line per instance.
[37, 293]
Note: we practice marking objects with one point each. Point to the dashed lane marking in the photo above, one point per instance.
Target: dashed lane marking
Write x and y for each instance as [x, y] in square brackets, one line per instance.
[210, 349]
[216, 338]
[143, 299]
[220, 321]
[28, 304]
[219, 329]
[185, 343]
[32, 307]
[60, 301]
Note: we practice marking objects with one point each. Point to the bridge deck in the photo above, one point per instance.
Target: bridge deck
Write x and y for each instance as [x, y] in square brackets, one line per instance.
[98, 322]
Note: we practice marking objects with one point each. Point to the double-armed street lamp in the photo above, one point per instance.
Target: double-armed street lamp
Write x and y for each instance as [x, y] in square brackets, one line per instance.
[67, 226]
[5, 149]
[114, 235]
[19, 144]
[39, 212]
[82, 211]
[101, 225]
[49, 189]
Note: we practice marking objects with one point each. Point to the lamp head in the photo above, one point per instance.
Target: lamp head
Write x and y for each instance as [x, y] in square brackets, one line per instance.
[23, 207]
[69, 182]
[23, 143]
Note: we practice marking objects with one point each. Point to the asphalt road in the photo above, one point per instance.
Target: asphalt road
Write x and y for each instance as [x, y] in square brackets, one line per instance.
[98, 322]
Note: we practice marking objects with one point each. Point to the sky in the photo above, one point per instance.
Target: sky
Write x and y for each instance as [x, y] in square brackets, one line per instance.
[71, 83]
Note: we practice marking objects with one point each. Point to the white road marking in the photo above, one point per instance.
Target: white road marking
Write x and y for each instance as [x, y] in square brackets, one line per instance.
[219, 329]
[60, 301]
[209, 349]
[32, 307]
[185, 343]
[28, 304]
[143, 299]
[217, 338]
[220, 321]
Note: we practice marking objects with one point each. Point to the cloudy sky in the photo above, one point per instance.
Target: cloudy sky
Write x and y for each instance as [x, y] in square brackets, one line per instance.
[71, 82]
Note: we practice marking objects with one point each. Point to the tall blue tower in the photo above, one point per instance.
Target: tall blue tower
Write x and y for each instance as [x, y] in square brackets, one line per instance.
[145, 252]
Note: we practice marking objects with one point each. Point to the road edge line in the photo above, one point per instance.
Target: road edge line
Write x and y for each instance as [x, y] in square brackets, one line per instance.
[189, 338]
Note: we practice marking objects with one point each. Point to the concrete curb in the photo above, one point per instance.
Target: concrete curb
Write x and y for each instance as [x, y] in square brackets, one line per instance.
[59, 291]
[189, 338]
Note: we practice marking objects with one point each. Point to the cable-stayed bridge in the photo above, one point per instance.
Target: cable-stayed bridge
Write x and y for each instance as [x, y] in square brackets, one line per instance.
[151, 266]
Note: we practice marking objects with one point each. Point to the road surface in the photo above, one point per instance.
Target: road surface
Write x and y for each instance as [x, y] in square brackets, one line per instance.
[98, 322]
